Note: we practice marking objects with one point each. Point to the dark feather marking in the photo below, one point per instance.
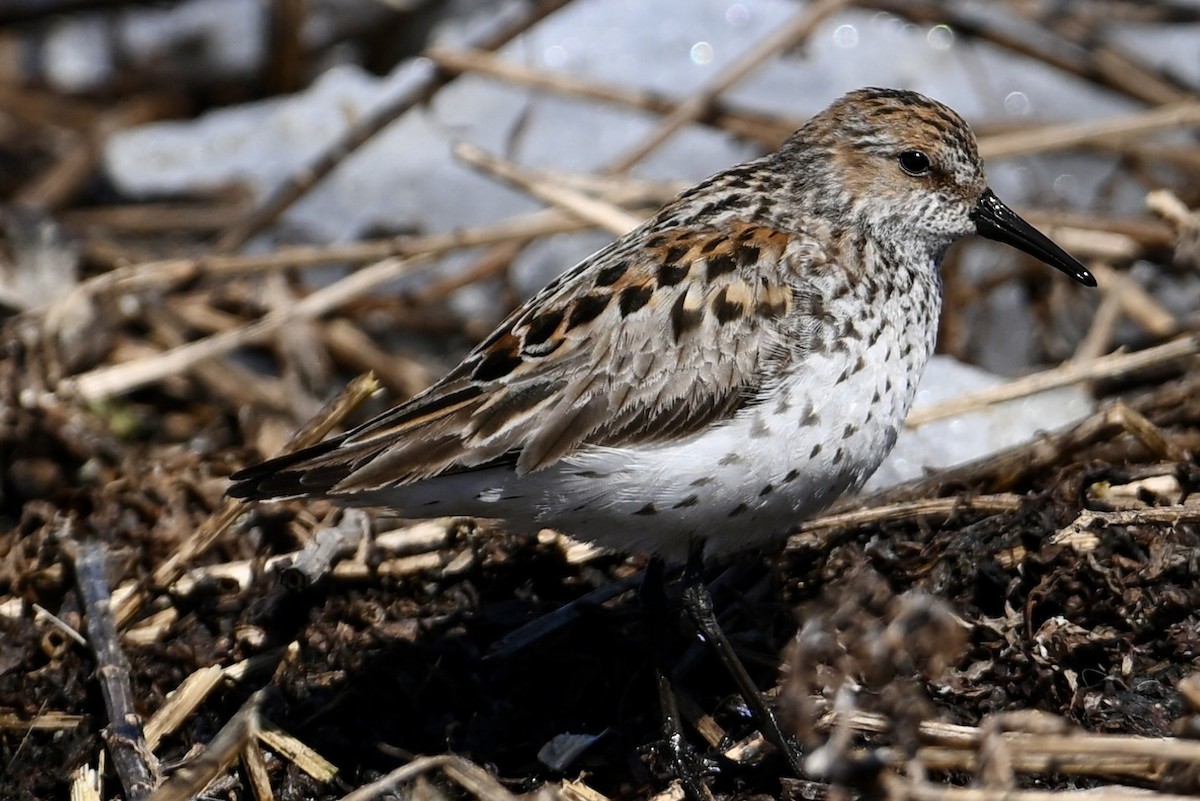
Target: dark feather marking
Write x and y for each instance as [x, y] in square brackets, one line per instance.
[497, 364]
[671, 274]
[634, 298]
[542, 327]
[675, 253]
[720, 265]
[683, 319]
[587, 308]
[724, 310]
[731, 201]
[771, 308]
[690, 500]
[612, 273]
[648, 509]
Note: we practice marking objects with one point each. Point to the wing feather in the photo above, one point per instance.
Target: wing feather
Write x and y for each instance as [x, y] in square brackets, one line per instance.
[657, 336]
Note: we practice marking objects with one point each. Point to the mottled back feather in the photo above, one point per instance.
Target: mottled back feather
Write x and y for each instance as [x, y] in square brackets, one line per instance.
[622, 349]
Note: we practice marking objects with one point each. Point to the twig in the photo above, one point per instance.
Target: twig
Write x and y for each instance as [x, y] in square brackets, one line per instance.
[104, 382]
[541, 627]
[1157, 515]
[1147, 233]
[43, 721]
[314, 561]
[408, 552]
[472, 778]
[1146, 432]
[1122, 70]
[1069, 751]
[173, 567]
[80, 151]
[86, 781]
[296, 752]
[1098, 339]
[1068, 135]
[700, 103]
[40, 611]
[476, 780]
[224, 748]
[159, 274]
[181, 702]
[1137, 304]
[767, 130]
[1166, 204]
[579, 791]
[353, 350]
[595, 211]
[1115, 364]
[908, 510]
[255, 766]
[1005, 469]
[899, 789]
[375, 789]
[157, 218]
[1070, 58]
[123, 735]
[374, 122]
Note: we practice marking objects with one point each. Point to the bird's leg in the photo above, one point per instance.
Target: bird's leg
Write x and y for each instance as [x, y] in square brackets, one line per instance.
[687, 765]
[698, 604]
[685, 762]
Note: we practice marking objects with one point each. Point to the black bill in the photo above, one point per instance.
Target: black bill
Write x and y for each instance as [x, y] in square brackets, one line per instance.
[997, 221]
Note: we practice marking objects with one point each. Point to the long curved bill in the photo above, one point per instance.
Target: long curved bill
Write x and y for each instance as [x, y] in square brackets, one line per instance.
[997, 221]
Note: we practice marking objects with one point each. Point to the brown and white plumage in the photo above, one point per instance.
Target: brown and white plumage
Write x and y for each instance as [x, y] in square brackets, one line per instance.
[728, 367]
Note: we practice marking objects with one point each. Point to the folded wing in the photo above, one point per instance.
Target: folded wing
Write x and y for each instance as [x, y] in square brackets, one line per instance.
[656, 337]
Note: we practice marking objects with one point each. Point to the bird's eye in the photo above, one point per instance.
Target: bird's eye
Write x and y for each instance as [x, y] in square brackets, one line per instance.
[914, 162]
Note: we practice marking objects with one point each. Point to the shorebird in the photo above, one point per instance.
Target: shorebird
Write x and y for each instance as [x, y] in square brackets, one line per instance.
[726, 369]
[716, 375]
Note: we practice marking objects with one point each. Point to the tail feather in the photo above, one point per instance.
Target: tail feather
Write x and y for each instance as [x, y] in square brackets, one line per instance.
[291, 475]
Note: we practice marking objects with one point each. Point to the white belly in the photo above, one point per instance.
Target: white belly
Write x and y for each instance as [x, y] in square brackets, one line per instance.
[739, 484]
[821, 430]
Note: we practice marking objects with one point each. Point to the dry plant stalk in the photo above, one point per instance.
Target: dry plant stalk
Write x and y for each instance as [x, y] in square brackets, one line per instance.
[191, 779]
[316, 430]
[124, 735]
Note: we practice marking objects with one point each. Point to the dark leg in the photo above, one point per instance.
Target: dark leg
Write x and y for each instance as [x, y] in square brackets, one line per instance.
[686, 764]
[698, 604]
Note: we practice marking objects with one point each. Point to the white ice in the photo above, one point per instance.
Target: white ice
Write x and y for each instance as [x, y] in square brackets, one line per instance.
[945, 443]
